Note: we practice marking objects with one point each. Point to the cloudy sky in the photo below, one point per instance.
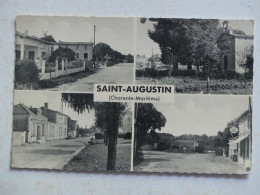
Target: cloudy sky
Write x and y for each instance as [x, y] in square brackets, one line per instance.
[199, 114]
[116, 32]
[144, 44]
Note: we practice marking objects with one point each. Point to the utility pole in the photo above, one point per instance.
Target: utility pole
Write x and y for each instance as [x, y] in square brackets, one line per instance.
[94, 49]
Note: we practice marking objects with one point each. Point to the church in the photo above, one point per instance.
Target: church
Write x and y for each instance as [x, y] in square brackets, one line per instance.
[232, 46]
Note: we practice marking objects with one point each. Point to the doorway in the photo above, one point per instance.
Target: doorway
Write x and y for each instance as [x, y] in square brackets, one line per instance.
[38, 132]
[225, 63]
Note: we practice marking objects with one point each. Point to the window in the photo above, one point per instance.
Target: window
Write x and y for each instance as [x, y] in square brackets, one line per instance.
[33, 130]
[17, 55]
[43, 54]
[85, 55]
[31, 55]
[77, 55]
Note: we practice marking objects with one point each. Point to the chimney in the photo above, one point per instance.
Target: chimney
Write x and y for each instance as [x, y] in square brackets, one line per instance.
[46, 105]
[26, 32]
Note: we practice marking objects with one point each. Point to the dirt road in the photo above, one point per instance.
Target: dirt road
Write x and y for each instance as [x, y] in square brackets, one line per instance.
[156, 161]
[50, 155]
[118, 74]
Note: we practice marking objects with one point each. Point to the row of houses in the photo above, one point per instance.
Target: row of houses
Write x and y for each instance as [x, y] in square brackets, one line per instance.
[240, 146]
[40, 124]
[32, 48]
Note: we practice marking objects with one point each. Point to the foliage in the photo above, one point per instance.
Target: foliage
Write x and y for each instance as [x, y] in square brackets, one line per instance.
[129, 58]
[47, 37]
[26, 71]
[245, 60]
[98, 136]
[188, 41]
[61, 53]
[148, 118]
[107, 116]
[152, 72]
[128, 135]
[199, 149]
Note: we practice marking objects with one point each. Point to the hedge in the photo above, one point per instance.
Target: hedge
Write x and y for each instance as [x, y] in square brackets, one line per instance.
[26, 71]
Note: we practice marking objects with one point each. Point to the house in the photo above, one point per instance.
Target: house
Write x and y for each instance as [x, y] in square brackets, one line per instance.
[72, 128]
[27, 125]
[240, 146]
[31, 48]
[38, 124]
[232, 46]
[185, 146]
[83, 50]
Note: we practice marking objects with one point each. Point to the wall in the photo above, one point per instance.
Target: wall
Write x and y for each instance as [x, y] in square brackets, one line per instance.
[32, 45]
[58, 73]
[18, 138]
[80, 49]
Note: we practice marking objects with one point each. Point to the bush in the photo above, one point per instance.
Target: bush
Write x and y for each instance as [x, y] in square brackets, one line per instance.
[163, 145]
[26, 71]
[128, 135]
[199, 149]
[152, 72]
[98, 136]
[219, 151]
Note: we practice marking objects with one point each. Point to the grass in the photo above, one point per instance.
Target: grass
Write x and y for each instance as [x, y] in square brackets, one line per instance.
[52, 83]
[193, 86]
[94, 157]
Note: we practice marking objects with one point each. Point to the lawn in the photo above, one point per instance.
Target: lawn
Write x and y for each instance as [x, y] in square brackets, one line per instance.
[191, 85]
[94, 157]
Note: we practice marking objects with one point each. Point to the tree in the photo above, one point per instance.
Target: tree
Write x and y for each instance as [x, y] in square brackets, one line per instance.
[61, 53]
[102, 49]
[188, 41]
[147, 118]
[107, 115]
[47, 37]
[245, 60]
[129, 58]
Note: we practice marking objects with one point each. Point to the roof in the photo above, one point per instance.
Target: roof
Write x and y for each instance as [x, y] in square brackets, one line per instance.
[52, 111]
[242, 116]
[32, 37]
[21, 108]
[74, 43]
[237, 36]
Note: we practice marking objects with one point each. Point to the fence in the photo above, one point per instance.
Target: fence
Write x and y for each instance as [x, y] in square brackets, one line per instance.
[60, 68]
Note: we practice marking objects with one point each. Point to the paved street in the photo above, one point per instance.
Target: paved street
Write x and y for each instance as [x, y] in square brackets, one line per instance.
[50, 155]
[118, 74]
[156, 161]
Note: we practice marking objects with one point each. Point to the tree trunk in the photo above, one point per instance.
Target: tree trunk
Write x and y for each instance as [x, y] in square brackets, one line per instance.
[175, 63]
[112, 129]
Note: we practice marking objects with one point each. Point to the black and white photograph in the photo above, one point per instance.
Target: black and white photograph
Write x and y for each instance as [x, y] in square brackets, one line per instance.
[72, 53]
[197, 134]
[198, 56]
[69, 131]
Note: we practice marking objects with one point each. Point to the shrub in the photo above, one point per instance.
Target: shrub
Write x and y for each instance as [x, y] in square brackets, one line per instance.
[26, 71]
[152, 72]
[98, 136]
[199, 149]
[219, 151]
[128, 135]
[163, 145]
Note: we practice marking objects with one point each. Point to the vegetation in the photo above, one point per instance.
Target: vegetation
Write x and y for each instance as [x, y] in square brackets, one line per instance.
[62, 53]
[47, 37]
[107, 117]
[103, 52]
[188, 41]
[147, 118]
[26, 73]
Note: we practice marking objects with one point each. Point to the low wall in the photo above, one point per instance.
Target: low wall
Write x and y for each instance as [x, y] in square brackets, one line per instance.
[64, 70]
[18, 138]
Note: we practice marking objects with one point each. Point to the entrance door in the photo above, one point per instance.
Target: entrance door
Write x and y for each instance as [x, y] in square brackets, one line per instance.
[225, 63]
[17, 55]
[31, 55]
[38, 132]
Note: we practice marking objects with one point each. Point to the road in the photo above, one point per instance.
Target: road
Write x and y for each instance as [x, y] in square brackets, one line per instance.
[50, 155]
[156, 161]
[118, 74]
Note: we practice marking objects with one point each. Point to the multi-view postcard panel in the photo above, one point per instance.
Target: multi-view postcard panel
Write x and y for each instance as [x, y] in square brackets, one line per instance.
[206, 128]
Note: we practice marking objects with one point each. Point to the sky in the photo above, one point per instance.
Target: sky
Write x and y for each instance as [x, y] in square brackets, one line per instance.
[116, 32]
[145, 45]
[201, 114]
